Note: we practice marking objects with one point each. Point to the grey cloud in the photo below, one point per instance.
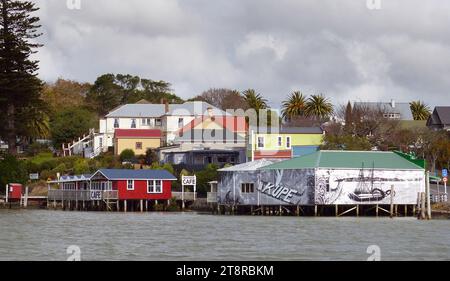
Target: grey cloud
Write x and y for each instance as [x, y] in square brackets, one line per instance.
[338, 48]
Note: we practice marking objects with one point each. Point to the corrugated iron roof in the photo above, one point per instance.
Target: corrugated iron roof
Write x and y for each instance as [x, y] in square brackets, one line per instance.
[347, 160]
[137, 133]
[196, 108]
[249, 166]
[118, 174]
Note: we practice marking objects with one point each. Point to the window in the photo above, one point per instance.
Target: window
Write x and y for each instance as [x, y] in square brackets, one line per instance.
[116, 123]
[288, 142]
[154, 186]
[133, 123]
[139, 145]
[247, 187]
[280, 141]
[222, 159]
[180, 122]
[158, 122]
[130, 184]
[260, 142]
[145, 121]
[100, 140]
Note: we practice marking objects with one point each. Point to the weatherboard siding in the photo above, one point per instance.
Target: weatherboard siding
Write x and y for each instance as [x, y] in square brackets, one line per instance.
[271, 141]
[140, 191]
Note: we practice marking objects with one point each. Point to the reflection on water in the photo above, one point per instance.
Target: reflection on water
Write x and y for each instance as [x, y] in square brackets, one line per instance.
[45, 235]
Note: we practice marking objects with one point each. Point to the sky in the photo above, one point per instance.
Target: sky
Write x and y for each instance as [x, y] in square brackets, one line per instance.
[358, 50]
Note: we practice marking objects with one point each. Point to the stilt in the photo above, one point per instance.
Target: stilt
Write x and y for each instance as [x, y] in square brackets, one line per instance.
[146, 205]
[336, 211]
[406, 210]
[392, 201]
[251, 210]
[118, 206]
[298, 211]
[315, 210]
[357, 210]
[422, 208]
[125, 206]
[376, 210]
[281, 211]
[141, 205]
[84, 205]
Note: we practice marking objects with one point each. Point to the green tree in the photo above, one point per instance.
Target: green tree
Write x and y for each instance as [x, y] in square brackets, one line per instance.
[127, 155]
[254, 100]
[348, 116]
[105, 94]
[419, 110]
[12, 171]
[19, 86]
[318, 106]
[70, 124]
[294, 106]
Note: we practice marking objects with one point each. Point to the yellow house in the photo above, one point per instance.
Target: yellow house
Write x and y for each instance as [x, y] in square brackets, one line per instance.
[137, 140]
[285, 142]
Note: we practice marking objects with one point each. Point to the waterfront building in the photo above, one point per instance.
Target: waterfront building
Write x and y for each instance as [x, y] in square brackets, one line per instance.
[349, 179]
[113, 189]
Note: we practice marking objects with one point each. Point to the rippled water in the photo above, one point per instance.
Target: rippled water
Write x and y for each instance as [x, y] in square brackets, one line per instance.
[45, 235]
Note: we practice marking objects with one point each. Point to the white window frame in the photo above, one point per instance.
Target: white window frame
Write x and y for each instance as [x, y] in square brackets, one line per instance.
[128, 184]
[151, 186]
[279, 141]
[263, 142]
[288, 142]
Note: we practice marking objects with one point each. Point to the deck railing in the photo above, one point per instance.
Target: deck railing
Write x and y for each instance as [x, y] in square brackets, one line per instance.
[81, 195]
[188, 196]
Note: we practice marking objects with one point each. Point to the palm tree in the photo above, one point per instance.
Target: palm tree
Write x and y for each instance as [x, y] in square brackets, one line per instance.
[419, 110]
[318, 106]
[294, 106]
[254, 100]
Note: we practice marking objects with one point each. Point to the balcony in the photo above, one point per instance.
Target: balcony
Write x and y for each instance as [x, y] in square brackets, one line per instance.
[188, 196]
[81, 195]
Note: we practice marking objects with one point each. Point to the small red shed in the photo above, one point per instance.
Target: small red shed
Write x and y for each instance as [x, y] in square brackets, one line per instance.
[137, 184]
[14, 191]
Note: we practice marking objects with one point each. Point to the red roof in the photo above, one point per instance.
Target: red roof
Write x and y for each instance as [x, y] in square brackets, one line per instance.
[273, 154]
[232, 123]
[137, 133]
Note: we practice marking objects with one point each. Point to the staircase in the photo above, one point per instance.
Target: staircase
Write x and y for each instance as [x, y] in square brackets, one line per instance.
[83, 146]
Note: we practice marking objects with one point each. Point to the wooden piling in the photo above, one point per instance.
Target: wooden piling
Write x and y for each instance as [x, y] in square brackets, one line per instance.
[422, 205]
[125, 206]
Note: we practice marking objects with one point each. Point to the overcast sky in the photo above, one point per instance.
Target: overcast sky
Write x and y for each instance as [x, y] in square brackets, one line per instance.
[340, 48]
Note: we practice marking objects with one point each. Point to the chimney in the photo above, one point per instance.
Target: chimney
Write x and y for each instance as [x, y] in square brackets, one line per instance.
[166, 106]
[210, 112]
[393, 103]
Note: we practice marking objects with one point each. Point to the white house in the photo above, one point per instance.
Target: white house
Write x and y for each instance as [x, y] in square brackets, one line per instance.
[169, 118]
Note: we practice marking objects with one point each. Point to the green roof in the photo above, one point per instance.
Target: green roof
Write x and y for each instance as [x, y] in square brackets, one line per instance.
[347, 160]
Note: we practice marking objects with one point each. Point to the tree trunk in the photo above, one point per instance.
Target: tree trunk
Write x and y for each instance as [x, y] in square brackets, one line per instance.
[12, 137]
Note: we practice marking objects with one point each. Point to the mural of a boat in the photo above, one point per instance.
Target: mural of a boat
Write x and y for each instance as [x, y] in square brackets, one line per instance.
[369, 188]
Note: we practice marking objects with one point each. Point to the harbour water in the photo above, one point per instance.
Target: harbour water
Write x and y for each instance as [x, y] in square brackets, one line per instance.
[46, 235]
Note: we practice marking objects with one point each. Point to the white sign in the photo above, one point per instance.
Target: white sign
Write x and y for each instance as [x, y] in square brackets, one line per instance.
[34, 176]
[189, 180]
[95, 194]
